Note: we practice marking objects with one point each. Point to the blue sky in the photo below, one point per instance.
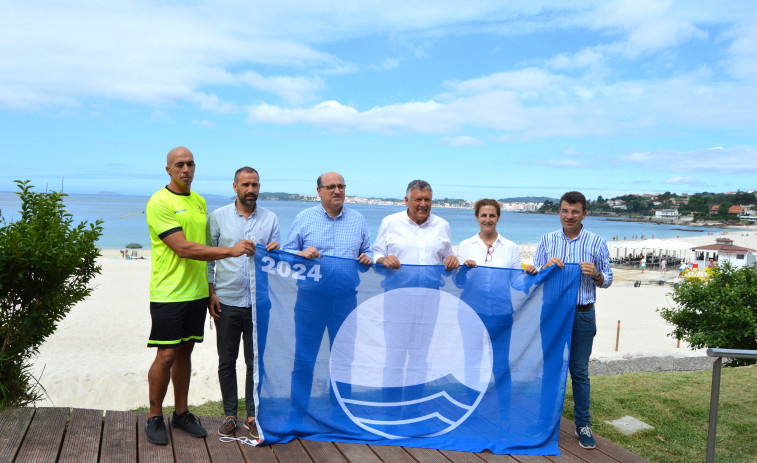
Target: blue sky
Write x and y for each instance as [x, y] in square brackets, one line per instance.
[480, 98]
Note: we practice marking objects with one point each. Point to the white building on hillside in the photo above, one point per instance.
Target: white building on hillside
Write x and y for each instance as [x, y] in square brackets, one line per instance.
[666, 213]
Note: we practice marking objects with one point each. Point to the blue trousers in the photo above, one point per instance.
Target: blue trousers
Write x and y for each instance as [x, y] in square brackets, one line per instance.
[582, 340]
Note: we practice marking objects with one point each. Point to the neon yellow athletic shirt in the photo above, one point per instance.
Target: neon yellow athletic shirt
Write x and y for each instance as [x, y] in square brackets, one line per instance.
[176, 279]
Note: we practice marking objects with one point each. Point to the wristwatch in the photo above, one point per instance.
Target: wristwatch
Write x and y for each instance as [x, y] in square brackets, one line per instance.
[597, 277]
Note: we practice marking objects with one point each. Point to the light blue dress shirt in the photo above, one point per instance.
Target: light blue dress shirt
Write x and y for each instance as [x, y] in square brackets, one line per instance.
[345, 235]
[231, 278]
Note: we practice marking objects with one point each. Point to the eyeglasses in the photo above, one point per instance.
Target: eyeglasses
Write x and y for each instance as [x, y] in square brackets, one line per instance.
[489, 253]
[341, 186]
[571, 212]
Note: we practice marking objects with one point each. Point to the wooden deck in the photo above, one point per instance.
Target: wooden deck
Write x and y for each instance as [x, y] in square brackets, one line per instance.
[79, 435]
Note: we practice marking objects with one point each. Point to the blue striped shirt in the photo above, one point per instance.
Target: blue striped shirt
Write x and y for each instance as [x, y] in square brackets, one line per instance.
[233, 278]
[346, 235]
[586, 247]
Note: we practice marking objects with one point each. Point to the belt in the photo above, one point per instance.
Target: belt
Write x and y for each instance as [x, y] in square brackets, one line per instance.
[584, 307]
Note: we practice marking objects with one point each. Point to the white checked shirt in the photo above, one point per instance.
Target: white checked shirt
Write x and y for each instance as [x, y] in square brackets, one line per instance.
[505, 253]
[413, 244]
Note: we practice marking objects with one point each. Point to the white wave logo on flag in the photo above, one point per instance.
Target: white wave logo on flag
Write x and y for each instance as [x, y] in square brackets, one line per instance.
[411, 362]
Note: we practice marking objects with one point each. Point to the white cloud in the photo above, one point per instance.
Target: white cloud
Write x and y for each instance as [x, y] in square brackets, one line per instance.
[295, 90]
[462, 140]
[704, 161]
[213, 103]
[741, 56]
[683, 181]
[204, 123]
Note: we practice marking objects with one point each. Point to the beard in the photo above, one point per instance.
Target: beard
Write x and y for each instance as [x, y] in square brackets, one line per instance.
[248, 200]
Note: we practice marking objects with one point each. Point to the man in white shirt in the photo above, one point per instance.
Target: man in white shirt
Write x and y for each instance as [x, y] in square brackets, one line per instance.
[415, 236]
[412, 237]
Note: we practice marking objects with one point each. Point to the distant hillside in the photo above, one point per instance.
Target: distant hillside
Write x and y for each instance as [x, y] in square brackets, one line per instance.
[528, 199]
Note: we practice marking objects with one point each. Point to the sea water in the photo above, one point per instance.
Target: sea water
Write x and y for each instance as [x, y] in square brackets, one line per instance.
[124, 220]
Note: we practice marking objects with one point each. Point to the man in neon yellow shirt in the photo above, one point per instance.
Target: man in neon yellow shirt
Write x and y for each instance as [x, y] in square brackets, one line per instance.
[178, 291]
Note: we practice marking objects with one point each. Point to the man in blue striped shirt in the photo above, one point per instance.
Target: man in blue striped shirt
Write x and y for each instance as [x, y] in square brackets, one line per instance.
[575, 245]
[231, 284]
[328, 229]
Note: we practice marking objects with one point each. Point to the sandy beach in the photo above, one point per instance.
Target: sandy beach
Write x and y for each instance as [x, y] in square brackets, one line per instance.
[98, 356]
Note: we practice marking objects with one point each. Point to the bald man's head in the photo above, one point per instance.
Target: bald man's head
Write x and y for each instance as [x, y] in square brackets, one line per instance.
[180, 165]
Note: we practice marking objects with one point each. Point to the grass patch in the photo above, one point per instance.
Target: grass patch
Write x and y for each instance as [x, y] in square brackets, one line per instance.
[676, 404]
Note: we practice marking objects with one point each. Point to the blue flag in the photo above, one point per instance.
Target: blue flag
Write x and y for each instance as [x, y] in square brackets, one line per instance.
[466, 360]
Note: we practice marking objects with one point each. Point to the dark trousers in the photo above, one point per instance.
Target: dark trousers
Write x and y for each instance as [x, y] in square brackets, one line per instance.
[235, 322]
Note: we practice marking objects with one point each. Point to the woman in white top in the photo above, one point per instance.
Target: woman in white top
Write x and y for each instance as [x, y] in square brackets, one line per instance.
[488, 247]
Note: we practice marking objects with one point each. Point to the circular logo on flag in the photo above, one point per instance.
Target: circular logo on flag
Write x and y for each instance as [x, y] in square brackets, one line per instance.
[411, 362]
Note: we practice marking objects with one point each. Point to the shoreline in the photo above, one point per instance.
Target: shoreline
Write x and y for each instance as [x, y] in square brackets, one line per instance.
[97, 357]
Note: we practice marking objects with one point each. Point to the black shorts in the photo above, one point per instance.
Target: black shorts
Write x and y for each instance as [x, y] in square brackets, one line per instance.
[175, 323]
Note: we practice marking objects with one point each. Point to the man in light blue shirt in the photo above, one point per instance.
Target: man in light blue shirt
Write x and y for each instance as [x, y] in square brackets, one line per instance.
[232, 284]
[573, 244]
[329, 229]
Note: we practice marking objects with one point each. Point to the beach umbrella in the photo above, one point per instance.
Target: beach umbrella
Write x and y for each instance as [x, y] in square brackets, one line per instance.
[133, 246]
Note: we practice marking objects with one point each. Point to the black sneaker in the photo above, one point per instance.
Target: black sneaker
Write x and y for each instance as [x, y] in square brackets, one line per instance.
[155, 429]
[585, 438]
[188, 422]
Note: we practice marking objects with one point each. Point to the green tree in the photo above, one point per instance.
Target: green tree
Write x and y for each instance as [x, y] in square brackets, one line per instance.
[723, 211]
[45, 265]
[698, 203]
[717, 313]
[549, 206]
[743, 198]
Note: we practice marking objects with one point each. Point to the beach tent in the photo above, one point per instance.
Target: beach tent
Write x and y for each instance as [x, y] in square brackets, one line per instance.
[658, 246]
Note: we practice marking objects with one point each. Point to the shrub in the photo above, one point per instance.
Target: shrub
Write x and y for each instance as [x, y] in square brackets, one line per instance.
[45, 265]
[720, 312]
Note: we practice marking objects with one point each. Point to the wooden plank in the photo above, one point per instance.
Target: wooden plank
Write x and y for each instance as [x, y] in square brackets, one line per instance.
[119, 441]
[489, 457]
[217, 450]
[565, 457]
[150, 452]
[14, 421]
[426, 455]
[291, 452]
[260, 454]
[44, 437]
[612, 450]
[565, 439]
[357, 452]
[322, 452]
[392, 454]
[569, 443]
[461, 457]
[530, 458]
[187, 448]
[82, 442]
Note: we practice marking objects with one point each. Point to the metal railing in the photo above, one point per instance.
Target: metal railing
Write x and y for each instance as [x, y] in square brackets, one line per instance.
[715, 391]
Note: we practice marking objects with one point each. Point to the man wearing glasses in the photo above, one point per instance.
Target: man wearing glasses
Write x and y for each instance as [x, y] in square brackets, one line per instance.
[575, 245]
[329, 229]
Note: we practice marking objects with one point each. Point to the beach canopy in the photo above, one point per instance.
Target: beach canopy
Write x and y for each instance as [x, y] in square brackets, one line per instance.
[665, 245]
[133, 246]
